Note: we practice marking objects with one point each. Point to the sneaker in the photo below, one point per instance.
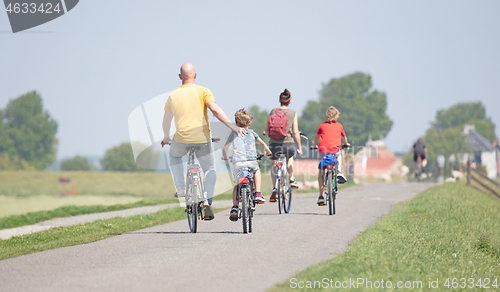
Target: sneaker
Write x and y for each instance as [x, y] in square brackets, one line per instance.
[177, 195]
[321, 201]
[209, 214]
[294, 184]
[259, 198]
[341, 178]
[233, 216]
[272, 199]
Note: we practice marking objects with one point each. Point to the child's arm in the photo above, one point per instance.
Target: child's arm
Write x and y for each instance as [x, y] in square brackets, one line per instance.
[264, 146]
[315, 141]
[345, 140]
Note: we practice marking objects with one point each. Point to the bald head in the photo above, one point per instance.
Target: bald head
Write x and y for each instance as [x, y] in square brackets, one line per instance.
[187, 70]
[188, 74]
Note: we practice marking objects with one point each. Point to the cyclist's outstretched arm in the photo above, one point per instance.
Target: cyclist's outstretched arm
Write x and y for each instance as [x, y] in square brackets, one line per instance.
[296, 134]
[264, 146]
[221, 116]
[167, 121]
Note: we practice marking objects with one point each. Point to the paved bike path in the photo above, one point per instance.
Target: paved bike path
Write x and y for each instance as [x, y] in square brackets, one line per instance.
[86, 218]
[218, 258]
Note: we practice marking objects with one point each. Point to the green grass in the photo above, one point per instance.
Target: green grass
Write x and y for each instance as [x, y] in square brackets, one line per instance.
[67, 211]
[29, 197]
[34, 191]
[85, 233]
[449, 231]
[35, 183]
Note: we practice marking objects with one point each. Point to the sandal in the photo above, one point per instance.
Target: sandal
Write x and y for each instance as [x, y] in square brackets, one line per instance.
[179, 196]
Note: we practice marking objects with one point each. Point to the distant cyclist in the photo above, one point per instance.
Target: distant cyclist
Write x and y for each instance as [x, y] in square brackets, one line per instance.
[330, 135]
[188, 105]
[419, 149]
[283, 128]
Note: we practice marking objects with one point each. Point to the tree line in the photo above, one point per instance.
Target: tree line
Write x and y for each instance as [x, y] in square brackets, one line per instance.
[28, 141]
[28, 133]
[363, 109]
[445, 134]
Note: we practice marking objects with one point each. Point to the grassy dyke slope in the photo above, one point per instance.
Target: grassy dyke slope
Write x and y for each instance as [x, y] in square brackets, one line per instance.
[449, 231]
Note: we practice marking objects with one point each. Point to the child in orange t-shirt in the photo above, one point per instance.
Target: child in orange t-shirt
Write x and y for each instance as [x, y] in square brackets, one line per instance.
[330, 135]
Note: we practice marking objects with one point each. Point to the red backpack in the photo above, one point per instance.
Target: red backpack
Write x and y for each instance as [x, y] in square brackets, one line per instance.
[277, 124]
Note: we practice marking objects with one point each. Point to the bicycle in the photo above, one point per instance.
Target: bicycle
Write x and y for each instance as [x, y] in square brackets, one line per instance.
[194, 189]
[245, 195]
[330, 183]
[419, 167]
[284, 198]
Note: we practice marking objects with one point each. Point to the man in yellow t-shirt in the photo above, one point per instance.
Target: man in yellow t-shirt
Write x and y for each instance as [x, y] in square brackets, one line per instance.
[188, 106]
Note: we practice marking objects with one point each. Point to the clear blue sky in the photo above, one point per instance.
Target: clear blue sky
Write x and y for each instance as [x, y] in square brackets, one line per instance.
[101, 60]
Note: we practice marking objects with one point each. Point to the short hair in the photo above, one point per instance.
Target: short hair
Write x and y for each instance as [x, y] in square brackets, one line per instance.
[420, 140]
[332, 114]
[242, 118]
[285, 97]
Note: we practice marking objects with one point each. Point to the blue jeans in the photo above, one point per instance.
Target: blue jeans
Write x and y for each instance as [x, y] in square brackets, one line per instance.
[205, 156]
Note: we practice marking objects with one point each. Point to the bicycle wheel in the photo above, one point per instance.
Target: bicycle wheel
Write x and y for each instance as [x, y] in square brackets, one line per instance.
[287, 200]
[244, 209]
[192, 207]
[279, 194]
[250, 213]
[331, 200]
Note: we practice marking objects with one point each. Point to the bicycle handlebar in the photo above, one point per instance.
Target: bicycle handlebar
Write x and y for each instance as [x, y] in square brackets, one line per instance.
[260, 156]
[300, 134]
[170, 143]
[345, 146]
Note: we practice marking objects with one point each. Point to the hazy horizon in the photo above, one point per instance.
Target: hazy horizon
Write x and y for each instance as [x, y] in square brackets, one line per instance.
[93, 67]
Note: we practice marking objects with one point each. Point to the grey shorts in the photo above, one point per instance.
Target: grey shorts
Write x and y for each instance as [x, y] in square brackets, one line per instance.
[237, 166]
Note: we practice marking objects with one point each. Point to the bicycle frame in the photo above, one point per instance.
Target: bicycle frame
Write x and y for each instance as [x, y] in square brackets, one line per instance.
[330, 184]
[245, 195]
[419, 167]
[283, 189]
[194, 192]
[194, 188]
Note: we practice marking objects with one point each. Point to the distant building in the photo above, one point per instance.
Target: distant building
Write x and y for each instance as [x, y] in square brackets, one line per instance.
[496, 144]
[376, 160]
[485, 154]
